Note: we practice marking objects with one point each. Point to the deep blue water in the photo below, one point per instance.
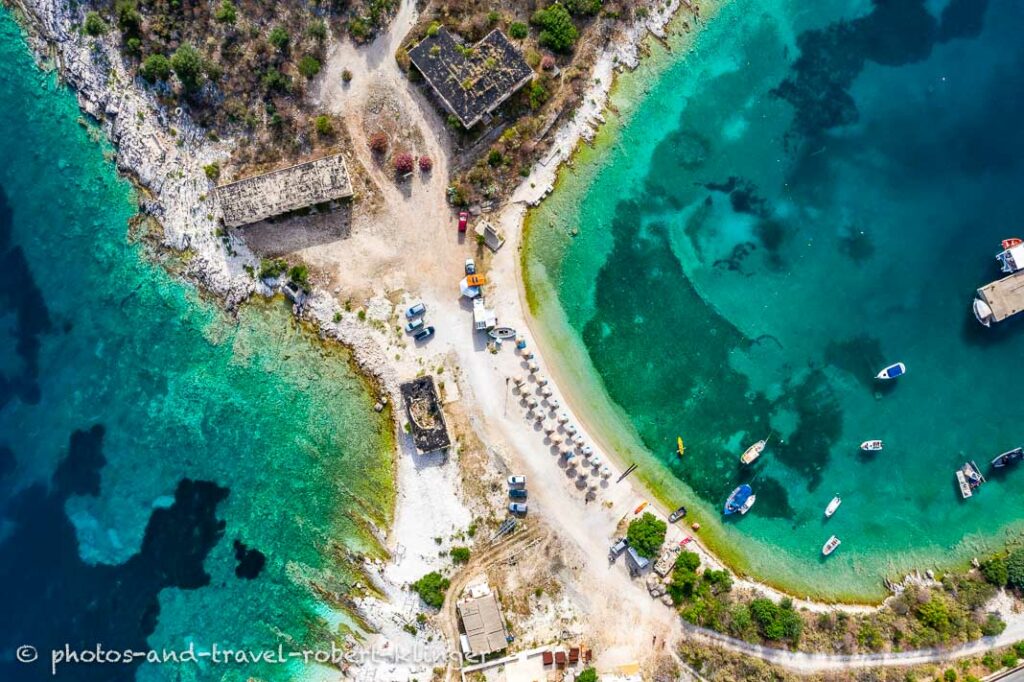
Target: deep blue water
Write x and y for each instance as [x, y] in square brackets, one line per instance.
[169, 475]
[813, 191]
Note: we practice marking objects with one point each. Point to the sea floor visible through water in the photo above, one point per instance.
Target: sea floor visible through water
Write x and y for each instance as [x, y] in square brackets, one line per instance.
[169, 474]
[807, 194]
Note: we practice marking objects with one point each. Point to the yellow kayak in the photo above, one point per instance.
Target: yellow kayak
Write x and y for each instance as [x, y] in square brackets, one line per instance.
[680, 448]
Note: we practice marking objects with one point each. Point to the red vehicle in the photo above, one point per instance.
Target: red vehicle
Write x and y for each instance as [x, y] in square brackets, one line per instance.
[687, 540]
[463, 221]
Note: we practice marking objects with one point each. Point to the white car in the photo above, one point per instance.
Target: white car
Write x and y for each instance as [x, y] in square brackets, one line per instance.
[517, 508]
[470, 266]
[516, 481]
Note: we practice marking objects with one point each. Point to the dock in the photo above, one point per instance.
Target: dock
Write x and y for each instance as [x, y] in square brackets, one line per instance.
[1000, 300]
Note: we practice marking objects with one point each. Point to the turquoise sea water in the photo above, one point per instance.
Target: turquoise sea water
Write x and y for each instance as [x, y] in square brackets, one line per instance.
[168, 474]
[811, 192]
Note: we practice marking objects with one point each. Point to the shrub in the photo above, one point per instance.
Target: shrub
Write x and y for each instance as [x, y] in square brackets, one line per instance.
[404, 163]
[646, 534]
[275, 81]
[493, 17]
[94, 24]
[538, 95]
[226, 13]
[188, 66]
[431, 588]
[272, 268]
[433, 29]
[587, 675]
[934, 613]
[212, 171]
[547, 62]
[494, 158]
[128, 18]
[323, 126]
[426, 164]
[993, 625]
[583, 7]
[346, 75]
[155, 67]
[776, 621]
[681, 585]
[1009, 660]
[299, 274]
[557, 30]
[317, 30]
[995, 571]
[279, 38]
[460, 555]
[379, 142]
[309, 66]
[518, 30]
[1015, 568]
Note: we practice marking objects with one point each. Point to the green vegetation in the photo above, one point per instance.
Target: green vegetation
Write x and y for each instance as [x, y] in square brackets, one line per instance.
[433, 29]
[156, 67]
[272, 268]
[212, 171]
[1015, 568]
[279, 38]
[188, 66]
[226, 13]
[309, 66]
[646, 535]
[996, 571]
[323, 126]
[431, 588]
[583, 7]
[275, 81]
[94, 24]
[587, 675]
[776, 622]
[557, 29]
[299, 275]
[538, 94]
[518, 30]
[460, 555]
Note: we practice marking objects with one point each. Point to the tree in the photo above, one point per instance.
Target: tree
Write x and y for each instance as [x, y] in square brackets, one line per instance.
[688, 561]
[275, 81]
[996, 571]
[299, 274]
[431, 588]
[776, 621]
[538, 94]
[309, 66]
[227, 13]
[518, 30]
[557, 30]
[583, 7]
[426, 164]
[94, 24]
[156, 67]
[460, 555]
[993, 625]
[404, 163]
[646, 534]
[279, 38]
[323, 126]
[935, 614]
[188, 66]
[587, 675]
[212, 171]
[681, 585]
[1015, 568]
[379, 142]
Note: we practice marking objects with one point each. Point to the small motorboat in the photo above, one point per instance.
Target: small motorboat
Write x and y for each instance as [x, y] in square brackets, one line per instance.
[892, 371]
[753, 452]
[1012, 242]
[968, 477]
[504, 333]
[832, 506]
[677, 514]
[983, 312]
[680, 448]
[830, 545]
[871, 445]
[741, 500]
[1008, 457]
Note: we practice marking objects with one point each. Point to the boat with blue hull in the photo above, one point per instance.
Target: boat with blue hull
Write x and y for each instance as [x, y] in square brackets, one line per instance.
[1010, 457]
[740, 501]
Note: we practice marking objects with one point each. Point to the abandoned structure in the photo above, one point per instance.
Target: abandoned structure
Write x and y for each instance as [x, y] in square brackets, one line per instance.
[263, 196]
[472, 81]
[426, 420]
[483, 626]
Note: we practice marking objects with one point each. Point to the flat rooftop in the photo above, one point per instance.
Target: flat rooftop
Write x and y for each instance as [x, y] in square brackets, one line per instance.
[1005, 296]
[271, 194]
[471, 81]
[484, 625]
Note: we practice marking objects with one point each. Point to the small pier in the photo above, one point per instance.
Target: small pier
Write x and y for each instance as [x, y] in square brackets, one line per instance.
[1001, 299]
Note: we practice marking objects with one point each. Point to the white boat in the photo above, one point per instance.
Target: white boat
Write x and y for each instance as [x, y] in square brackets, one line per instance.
[871, 445]
[892, 371]
[830, 545]
[753, 452]
[1012, 259]
[965, 488]
[983, 312]
[832, 506]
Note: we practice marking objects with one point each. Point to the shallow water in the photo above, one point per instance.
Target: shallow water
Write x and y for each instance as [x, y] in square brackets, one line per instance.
[168, 474]
[809, 194]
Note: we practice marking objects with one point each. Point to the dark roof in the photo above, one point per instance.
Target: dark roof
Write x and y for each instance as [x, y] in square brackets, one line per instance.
[423, 407]
[471, 82]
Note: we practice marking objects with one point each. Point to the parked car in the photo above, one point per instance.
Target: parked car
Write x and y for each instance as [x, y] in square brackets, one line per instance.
[415, 310]
[470, 266]
[424, 334]
[414, 325]
[685, 541]
[517, 493]
[517, 481]
[463, 221]
[517, 508]
[617, 548]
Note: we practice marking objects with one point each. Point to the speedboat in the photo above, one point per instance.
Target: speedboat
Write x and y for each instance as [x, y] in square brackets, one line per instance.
[1012, 242]
[502, 333]
[753, 452]
[1008, 457]
[830, 545]
[741, 500]
[892, 371]
[983, 312]
[832, 506]
[677, 514]
[871, 445]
